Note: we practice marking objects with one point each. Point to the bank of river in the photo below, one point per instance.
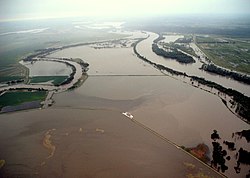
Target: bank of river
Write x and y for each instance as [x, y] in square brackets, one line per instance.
[162, 103]
[91, 131]
[75, 71]
[145, 49]
[155, 101]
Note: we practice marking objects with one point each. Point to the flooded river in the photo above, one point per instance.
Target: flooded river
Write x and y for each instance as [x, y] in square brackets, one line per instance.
[184, 114]
[145, 49]
[92, 138]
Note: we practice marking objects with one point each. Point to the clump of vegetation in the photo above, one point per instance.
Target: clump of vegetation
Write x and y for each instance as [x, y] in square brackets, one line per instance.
[13, 82]
[244, 133]
[243, 156]
[223, 72]
[172, 54]
[230, 145]
[201, 152]
[243, 102]
[218, 157]
[183, 47]
[215, 135]
[219, 154]
[71, 76]
[179, 44]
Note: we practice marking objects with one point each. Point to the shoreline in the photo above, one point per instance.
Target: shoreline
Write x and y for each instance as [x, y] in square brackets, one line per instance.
[69, 84]
[78, 71]
[42, 55]
[130, 117]
[172, 143]
[201, 83]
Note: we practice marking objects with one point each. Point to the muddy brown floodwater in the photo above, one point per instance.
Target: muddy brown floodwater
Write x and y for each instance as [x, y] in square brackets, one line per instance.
[88, 143]
[145, 49]
[90, 137]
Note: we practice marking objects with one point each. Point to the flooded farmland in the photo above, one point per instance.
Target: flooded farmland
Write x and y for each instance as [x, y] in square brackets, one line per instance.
[184, 114]
[47, 68]
[88, 135]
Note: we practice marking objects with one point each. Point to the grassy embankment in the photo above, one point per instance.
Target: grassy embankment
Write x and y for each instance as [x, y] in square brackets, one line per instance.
[17, 98]
[228, 53]
[241, 101]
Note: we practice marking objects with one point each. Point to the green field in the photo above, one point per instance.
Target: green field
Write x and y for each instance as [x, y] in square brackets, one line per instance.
[16, 98]
[234, 55]
[9, 78]
[206, 39]
[56, 80]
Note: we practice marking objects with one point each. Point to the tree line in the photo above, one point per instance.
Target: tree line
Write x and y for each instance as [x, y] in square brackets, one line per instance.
[223, 72]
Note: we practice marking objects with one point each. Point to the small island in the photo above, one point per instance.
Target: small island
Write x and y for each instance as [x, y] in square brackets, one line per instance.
[172, 53]
[239, 100]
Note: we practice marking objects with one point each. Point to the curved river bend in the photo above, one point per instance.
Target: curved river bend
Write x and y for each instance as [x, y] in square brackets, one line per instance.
[87, 125]
[145, 49]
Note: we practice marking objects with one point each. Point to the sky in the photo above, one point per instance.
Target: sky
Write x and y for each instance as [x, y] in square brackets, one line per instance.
[32, 9]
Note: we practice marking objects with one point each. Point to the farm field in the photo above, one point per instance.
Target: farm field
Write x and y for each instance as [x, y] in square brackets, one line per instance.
[16, 98]
[229, 53]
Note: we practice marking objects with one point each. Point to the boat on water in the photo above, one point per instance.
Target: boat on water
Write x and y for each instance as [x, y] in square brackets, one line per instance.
[127, 114]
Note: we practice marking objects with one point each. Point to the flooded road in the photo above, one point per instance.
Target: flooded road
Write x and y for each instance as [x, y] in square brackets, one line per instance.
[160, 102]
[185, 115]
[91, 136]
[109, 61]
[88, 143]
